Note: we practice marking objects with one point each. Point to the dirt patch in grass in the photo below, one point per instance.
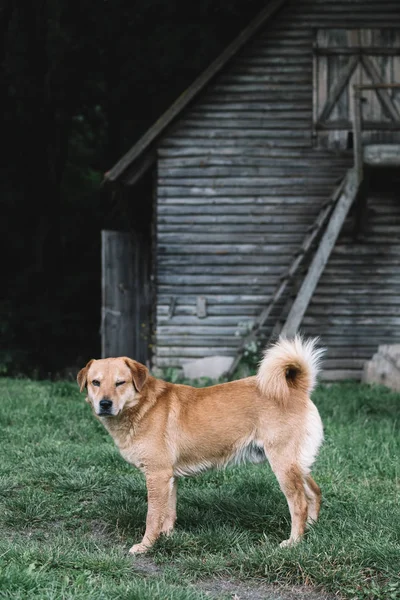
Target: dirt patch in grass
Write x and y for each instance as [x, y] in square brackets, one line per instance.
[238, 590]
[259, 590]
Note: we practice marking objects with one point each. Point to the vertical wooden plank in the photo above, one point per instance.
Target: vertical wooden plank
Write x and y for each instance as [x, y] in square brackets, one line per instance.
[322, 80]
[125, 295]
[366, 42]
[395, 69]
[353, 39]
[315, 89]
[357, 135]
[338, 64]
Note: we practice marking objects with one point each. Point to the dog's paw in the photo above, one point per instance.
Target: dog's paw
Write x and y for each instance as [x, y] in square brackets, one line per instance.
[288, 543]
[167, 530]
[138, 549]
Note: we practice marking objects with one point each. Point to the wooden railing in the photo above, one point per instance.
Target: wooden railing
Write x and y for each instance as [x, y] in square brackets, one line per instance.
[390, 108]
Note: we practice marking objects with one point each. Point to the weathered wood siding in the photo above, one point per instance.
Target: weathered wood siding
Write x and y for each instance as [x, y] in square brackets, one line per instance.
[126, 299]
[240, 180]
[356, 305]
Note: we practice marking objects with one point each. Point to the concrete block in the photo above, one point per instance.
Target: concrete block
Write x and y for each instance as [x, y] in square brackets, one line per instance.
[211, 366]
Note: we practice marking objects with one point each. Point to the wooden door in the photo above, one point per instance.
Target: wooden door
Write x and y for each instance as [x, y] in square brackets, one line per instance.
[126, 303]
[342, 58]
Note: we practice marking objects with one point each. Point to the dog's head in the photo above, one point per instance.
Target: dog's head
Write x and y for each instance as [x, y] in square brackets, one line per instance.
[112, 384]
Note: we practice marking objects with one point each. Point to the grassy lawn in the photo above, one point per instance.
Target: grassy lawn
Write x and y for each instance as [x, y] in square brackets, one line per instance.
[70, 507]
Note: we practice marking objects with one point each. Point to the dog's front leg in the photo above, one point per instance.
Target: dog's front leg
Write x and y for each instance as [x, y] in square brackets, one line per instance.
[158, 494]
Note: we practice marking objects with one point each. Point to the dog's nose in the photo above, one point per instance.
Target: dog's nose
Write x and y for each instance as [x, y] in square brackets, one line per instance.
[105, 404]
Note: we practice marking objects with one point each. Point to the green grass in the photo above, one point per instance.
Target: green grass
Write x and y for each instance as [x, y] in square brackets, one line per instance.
[70, 507]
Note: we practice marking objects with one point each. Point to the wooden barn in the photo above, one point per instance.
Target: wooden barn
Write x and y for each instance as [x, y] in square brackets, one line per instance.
[269, 197]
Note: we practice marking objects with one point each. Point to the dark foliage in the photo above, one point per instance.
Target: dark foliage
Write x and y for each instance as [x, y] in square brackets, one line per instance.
[80, 82]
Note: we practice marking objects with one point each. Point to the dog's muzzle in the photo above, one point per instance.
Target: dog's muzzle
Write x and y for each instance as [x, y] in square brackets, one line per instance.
[105, 407]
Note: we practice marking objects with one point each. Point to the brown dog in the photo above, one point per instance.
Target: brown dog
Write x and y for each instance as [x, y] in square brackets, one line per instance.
[169, 430]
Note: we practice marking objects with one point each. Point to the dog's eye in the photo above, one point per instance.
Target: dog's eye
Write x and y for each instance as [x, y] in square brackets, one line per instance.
[96, 383]
[119, 383]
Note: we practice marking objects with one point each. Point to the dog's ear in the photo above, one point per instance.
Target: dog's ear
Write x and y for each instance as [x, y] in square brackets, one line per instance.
[139, 373]
[82, 376]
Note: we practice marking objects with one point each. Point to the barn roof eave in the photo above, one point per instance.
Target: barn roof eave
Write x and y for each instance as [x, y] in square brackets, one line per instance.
[141, 156]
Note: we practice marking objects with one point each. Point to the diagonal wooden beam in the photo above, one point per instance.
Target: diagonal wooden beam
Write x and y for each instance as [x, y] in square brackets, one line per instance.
[338, 87]
[382, 93]
[155, 131]
[322, 255]
[287, 278]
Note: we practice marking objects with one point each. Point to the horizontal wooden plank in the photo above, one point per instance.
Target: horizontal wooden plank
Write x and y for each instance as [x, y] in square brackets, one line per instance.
[243, 248]
[342, 363]
[297, 217]
[211, 320]
[220, 260]
[230, 173]
[296, 69]
[238, 125]
[199, 329]
[247, 310]
[208, 230]
[375, 311]
[325, 289]
[197, 341]
[387, 299]
[231, 289]
[231, 161]
[230, 94]
[218, 299]
[355, 320]
[268, 278]
[366, 249]
[259, 204]
[284, 189]
[340, 374]
[164, 151]
[262, 79]
[242, 135]
[245, 144]
[229, 238]
[217, 271]
[246, 182]
[192, 353]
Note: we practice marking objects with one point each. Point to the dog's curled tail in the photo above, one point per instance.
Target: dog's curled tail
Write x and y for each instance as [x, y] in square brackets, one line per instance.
[287, 366]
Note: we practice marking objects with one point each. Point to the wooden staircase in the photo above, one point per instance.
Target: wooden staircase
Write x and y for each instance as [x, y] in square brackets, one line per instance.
[326, 229]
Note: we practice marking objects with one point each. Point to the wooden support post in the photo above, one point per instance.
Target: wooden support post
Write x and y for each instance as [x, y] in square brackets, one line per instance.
[357, 140]
[321, 256]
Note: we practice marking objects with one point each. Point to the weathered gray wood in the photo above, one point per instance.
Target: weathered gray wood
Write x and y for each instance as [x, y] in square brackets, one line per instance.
[382, 155]
[118, 321]
[358, 64]
[229, 238]
[383, 96]
[338, 87]
[341, 374]
[125, 296]
[285, 188]
[286, 280]
[356, 50]
[230, 229]
[320, 259]
[357, 133]
[155, 131]
[267, 89]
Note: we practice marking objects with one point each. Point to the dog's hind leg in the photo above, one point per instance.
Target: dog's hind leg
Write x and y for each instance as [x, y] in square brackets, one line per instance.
[313, 495]
[170, 517]
[291, 481]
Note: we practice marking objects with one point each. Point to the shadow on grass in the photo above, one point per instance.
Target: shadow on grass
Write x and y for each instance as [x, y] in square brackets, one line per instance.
[233, 499]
